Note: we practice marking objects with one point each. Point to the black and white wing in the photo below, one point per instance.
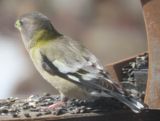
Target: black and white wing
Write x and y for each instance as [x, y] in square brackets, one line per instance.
[78, 65]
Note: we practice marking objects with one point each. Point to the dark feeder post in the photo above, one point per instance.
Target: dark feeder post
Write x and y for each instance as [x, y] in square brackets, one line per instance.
[151, 11]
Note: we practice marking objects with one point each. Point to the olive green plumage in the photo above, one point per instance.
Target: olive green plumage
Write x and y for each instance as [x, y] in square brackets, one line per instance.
[66, 64]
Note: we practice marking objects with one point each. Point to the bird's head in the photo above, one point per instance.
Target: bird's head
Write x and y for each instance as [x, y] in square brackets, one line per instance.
[35, 27]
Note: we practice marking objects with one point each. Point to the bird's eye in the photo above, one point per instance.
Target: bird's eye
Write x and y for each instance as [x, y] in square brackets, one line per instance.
[21, 23]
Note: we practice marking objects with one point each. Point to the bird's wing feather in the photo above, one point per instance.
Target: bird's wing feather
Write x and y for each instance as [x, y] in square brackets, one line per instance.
[78, 64]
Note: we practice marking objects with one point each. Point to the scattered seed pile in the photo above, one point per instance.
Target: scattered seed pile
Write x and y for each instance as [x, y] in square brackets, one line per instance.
[135, 76]
[37, 106]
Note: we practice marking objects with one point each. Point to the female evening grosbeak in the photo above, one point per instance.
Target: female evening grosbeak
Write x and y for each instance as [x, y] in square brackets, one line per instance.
[66, 64]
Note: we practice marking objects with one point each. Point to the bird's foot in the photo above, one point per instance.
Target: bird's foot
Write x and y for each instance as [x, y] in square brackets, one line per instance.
[57, 105]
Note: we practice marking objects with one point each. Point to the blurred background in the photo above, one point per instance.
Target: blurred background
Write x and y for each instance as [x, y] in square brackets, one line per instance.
[111, 29]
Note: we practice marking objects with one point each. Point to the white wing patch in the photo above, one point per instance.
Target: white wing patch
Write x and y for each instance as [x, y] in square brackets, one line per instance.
[110, 81]
[100, 94]
[73, 78]
[89, 76]
[63, 68]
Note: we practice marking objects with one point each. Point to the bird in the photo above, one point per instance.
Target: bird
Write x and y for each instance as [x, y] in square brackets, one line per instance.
[67, 64]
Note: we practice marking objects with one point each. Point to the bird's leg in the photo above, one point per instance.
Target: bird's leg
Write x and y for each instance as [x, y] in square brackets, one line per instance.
[60, 103]
[56, 105]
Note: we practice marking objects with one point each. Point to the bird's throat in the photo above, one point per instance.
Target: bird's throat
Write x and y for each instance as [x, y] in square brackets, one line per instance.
[41, 38]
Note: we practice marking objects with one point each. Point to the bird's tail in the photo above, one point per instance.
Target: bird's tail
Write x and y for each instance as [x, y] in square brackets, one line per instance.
[135, 105]
[122, 96]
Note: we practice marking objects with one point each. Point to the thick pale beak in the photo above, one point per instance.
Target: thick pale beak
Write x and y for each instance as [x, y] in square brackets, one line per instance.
[18, 24]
